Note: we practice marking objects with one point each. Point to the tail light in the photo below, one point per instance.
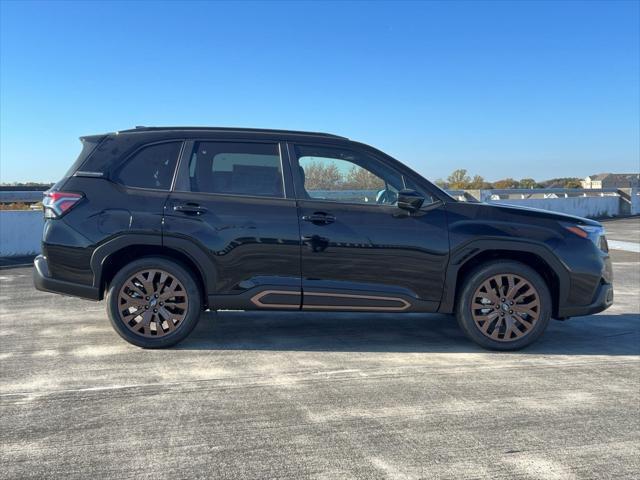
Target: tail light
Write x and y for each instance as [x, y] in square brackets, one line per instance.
[56, 204]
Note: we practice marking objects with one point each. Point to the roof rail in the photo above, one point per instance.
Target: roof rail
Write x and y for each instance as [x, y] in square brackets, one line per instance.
[141, 128]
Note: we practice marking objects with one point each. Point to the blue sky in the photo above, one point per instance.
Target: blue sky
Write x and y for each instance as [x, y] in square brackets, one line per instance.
[519, 89]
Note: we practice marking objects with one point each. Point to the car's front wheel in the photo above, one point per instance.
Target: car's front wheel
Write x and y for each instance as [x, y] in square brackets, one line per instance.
[153, 302]
[504, 305]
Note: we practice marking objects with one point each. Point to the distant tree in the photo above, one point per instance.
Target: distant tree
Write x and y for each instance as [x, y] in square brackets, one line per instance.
[572, 184]
[506, 183]
[458, 179]
[319, 176]
[360, 179]
[561, 182]
[25, 184]
[478, 183]
[441, 183]
[528, 183]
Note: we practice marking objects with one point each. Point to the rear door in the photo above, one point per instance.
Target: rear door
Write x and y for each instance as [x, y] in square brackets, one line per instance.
[234, 200]
[360, 251]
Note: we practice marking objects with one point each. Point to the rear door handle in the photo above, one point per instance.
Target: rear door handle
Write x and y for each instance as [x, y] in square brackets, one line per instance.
[190, 208]
[319, 218]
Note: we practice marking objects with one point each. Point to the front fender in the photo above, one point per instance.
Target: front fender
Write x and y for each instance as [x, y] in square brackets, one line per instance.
[473, 249]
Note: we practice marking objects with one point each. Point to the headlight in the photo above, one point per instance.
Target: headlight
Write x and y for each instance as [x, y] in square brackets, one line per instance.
[592, 232]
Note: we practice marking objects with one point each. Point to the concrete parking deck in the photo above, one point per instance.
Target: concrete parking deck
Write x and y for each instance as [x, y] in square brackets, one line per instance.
[290, 395]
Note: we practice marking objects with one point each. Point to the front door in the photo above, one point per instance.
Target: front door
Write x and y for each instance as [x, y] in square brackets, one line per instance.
[359, 250]
[234, 201]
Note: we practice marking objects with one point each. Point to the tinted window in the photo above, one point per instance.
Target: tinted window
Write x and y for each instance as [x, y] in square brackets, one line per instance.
[88, 146]
[151, 167]
[236, 168]
[342, 175]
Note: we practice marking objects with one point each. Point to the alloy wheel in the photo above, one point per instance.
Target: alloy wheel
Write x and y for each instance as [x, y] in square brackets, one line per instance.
[152, 303]
[505, 307]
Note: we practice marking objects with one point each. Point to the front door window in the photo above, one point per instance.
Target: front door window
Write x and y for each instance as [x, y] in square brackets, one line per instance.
[348, 177]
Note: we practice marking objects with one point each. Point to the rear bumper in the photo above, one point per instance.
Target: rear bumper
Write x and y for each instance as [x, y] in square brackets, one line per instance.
[603, 300]
[44, 282]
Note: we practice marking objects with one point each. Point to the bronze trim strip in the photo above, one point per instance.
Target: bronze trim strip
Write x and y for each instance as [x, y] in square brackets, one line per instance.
[256, 299]
[405, 305]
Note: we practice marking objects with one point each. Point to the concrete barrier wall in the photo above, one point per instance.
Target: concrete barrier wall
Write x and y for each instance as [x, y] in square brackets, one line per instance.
[593, 207]
[635, 202]
[20, 232]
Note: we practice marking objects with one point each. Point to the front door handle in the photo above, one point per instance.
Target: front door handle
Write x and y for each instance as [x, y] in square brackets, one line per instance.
[319, 218]
[190, 208]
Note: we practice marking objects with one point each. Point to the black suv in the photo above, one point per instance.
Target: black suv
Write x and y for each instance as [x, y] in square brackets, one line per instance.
[166, 222]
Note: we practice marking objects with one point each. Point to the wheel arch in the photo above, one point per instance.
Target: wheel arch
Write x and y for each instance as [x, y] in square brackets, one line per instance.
[110, 257]
[538, 257]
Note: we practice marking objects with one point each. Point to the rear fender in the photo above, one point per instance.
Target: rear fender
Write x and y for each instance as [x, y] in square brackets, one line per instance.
[187, 247]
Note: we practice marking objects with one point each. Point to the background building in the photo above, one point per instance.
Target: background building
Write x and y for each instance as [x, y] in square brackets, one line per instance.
[612, 180]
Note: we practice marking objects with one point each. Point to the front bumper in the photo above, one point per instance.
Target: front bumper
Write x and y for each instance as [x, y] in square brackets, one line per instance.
[43, 281]
[603, 300]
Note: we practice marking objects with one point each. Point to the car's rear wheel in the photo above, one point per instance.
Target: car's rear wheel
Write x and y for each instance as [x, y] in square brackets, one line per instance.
[504, 306]
[153, 302]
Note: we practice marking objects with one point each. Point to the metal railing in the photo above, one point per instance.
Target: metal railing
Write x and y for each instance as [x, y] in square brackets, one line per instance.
[628, 196]
[21, 196]
[550, 192]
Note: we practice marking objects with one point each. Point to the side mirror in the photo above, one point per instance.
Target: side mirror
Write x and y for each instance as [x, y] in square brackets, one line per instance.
[410, 200]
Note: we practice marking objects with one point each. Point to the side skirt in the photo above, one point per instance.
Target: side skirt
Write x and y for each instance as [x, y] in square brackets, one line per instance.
[279, 298]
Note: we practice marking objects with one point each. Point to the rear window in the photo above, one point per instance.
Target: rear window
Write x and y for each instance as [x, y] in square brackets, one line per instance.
[151, 167]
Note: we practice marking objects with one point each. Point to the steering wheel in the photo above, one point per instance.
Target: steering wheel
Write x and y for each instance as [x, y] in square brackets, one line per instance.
[386, 197]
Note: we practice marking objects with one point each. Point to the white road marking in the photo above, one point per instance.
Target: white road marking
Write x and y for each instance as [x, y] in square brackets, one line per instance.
[336, 372]
[626, 246]
[538, 467]
[389, 470]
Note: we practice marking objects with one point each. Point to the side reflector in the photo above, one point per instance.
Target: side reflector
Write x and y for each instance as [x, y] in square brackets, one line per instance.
[578, 231]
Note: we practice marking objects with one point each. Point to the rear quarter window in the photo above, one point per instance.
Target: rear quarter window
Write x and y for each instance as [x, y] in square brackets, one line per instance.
[151, 167]
[89, 144]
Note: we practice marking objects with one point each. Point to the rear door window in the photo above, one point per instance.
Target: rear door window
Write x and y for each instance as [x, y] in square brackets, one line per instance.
[151, 167]
[236, 168]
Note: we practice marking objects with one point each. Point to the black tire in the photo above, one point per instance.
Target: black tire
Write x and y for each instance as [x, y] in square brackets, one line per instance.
[190, 314]
[465, 312]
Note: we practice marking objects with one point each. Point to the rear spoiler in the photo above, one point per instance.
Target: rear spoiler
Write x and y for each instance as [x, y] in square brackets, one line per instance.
[93, 138]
